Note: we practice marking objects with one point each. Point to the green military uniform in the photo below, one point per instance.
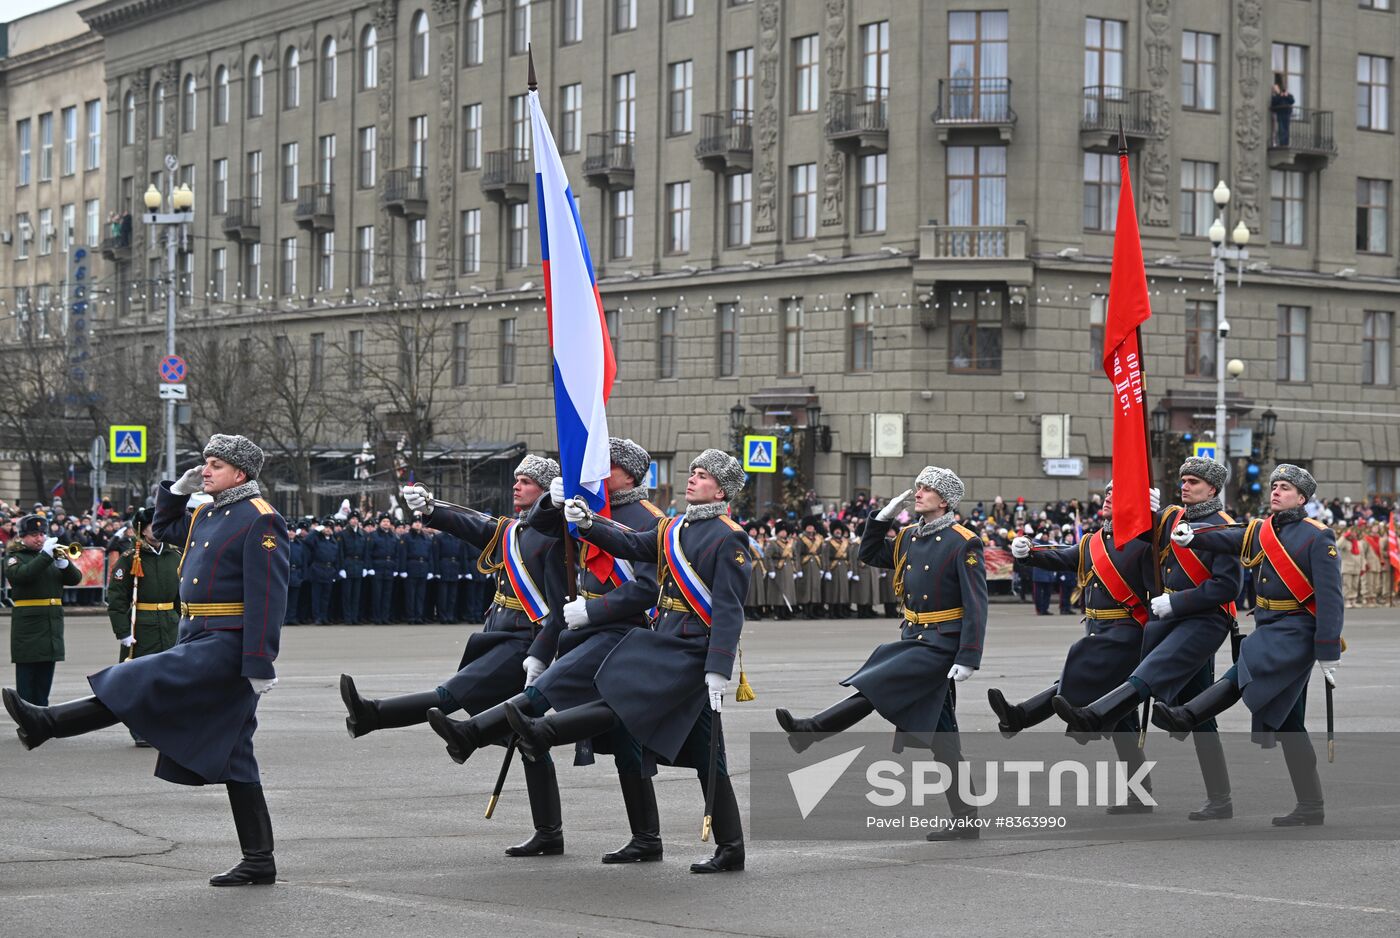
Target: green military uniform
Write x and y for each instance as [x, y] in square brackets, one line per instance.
[36, 623]
[157, 599]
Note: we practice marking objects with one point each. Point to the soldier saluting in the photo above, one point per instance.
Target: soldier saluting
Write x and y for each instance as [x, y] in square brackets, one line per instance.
[37, 573]
[1298, 620]
[197, 703]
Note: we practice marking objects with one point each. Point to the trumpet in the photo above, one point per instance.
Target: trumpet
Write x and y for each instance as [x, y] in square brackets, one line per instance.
[74, 551]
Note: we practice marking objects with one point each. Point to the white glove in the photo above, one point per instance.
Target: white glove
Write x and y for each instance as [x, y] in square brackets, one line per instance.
[556, 491]
[49, 544]
[827, 575]
[576, 613]
[261, 685]
[1154, 499]
[856, 577]
[189, 483]
[60, 562]
[576, 512]
[369, 571]
[852, 576]
[959, 673]
[430, 576]
[404, 576]
[1182, 534]
[417, 498]
[1329, 671]
[128, 641]
[342, 574]
[470, 577]
[895, 505]
[534, 667]
[1162, 606]
[772, 574]
[716, 683]
[1021, 547]
[798, 575]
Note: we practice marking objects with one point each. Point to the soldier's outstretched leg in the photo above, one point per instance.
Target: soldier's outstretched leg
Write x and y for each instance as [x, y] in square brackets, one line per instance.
[1211, 754]
[1012, 718]
[538, 734]
[254, 826]
[368, 715]
[1125, 741]
[639, 797]
[36, 725]
[802, 733]
[543, 787]
[464, 737]
[1214, 700]
[1103, 713]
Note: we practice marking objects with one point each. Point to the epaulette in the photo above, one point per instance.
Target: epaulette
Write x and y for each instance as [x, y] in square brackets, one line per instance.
[262, 506]
[655, 512]
[732, 523]
[1317, 524]
[1226, 516]
[967, 535]
[129, 552]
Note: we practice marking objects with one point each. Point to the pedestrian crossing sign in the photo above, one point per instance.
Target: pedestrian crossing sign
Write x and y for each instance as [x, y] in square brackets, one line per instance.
[1204, 449]
[127, 443]
[759, 454]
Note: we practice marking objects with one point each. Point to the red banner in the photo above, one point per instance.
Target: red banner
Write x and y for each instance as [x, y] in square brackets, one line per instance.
[1394, 553]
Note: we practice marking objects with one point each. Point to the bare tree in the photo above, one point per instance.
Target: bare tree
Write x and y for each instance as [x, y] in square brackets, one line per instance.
[227, 391]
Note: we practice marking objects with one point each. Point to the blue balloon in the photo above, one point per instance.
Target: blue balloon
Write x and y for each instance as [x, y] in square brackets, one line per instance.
[1186, 437]
[1252, 470]
[787, 449]
[1254, 486]
[789, 472]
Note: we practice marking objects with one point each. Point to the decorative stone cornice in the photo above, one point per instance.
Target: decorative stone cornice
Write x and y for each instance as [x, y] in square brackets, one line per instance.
[117, 15]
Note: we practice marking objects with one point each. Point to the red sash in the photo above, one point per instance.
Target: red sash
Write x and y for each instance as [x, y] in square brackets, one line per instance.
[1286, 568]
[1197, 571]
[1113, 580]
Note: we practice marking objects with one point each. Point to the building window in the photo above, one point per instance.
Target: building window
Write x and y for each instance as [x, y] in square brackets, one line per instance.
[291, 79]
[570, 22]
[24, 145]
[221, 96]
[475, 36]
[571, 118]
[24, 228]
[520, 137]
[185, 265]
[738, 210]
[45, 147]
[612, 322]
[220, 186]
[364, 256]
[621, 224]
[666, 342]
[1198, 63]
[806, 74]
[355, 346]
[1290, 61]
[873, 185]
[1200, 339]
[128, 119]
[325, 161]
[1376, 344]
[726, 339]
[977, 60]
[255, 88]
[860, 335]
[369, 58]
[519, 26]
[252, 184]
[624, 102]
[418, 250]
[418, 47]
[69, 161]
[790, 342]
[45, 232]
[471, 241]
[977, 198]
[368, 140]
[68, 222]
[289, 266]
[157, 112]
[1287, 206]
[506, 369]
[681, 97]
[624, 15]
[741, 81]
[682, 9]
[252, 271]
[329, 69]
[875, 60]
[188, 106]
[93, 222]
[218, 273]
[517, 234]
[802, 201]
[1381, 484]
[975, 330]
[316, 370]
[325, 260]
[1103, 50]
[1373, 216]
[1372, 92]
[1293, 343]
[1101, 185]
[408, 357]
[1197, 203]
[418, 144]
[471, 137]
[677, 217]
[460, 352]
[289, 171]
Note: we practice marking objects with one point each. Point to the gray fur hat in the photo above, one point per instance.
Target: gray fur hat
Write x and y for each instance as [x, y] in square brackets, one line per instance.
[540, 468]
[943, 481]
[1207, 470]
[1296, 476]
[630, 458]
[725, 468]
[238, 451]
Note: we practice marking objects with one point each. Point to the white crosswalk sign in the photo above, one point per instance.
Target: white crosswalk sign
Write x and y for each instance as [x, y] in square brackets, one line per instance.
[127, 443]
[759, 454]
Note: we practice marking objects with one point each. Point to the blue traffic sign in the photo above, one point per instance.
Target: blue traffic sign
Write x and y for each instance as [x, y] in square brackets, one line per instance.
[172, 369]
[760, 454]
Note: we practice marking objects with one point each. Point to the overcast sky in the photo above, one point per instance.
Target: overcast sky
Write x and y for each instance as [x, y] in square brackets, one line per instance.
[14, 9]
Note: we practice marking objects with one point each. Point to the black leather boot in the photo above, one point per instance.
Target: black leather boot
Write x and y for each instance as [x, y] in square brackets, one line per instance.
[728, 827]
[1301, 759]
[464, 737]
[802, 733]
[1102, 715]
[1214, 700]
[947, 749]
[639, 797]
[366, 716]
[548, 839]
[254, 826]
[1012, 718]
[1211, 755]
[1128, 752]
[538, 734]
[37, 725]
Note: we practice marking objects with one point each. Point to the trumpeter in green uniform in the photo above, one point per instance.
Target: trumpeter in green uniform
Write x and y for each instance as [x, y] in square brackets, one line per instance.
[37, 571]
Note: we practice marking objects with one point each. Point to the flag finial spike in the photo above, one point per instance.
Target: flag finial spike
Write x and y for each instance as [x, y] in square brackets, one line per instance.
[1122, 138]
[530, 82]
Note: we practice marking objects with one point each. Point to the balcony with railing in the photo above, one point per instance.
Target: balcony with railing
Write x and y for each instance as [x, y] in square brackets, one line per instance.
[1302, 139]
[406, 191]
[608, 159]
[117, 247]
[970, 105]
[726, 141]
[859, 120]
[1106, 108]
[241, 220]
[973, 254]
[316, 207]
[506, 175]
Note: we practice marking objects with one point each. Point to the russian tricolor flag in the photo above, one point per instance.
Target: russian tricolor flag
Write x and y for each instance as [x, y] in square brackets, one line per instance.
[584, 367]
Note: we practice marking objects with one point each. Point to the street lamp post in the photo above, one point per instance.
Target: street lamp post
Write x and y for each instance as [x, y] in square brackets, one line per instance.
[176, 224]
[1221, 255]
